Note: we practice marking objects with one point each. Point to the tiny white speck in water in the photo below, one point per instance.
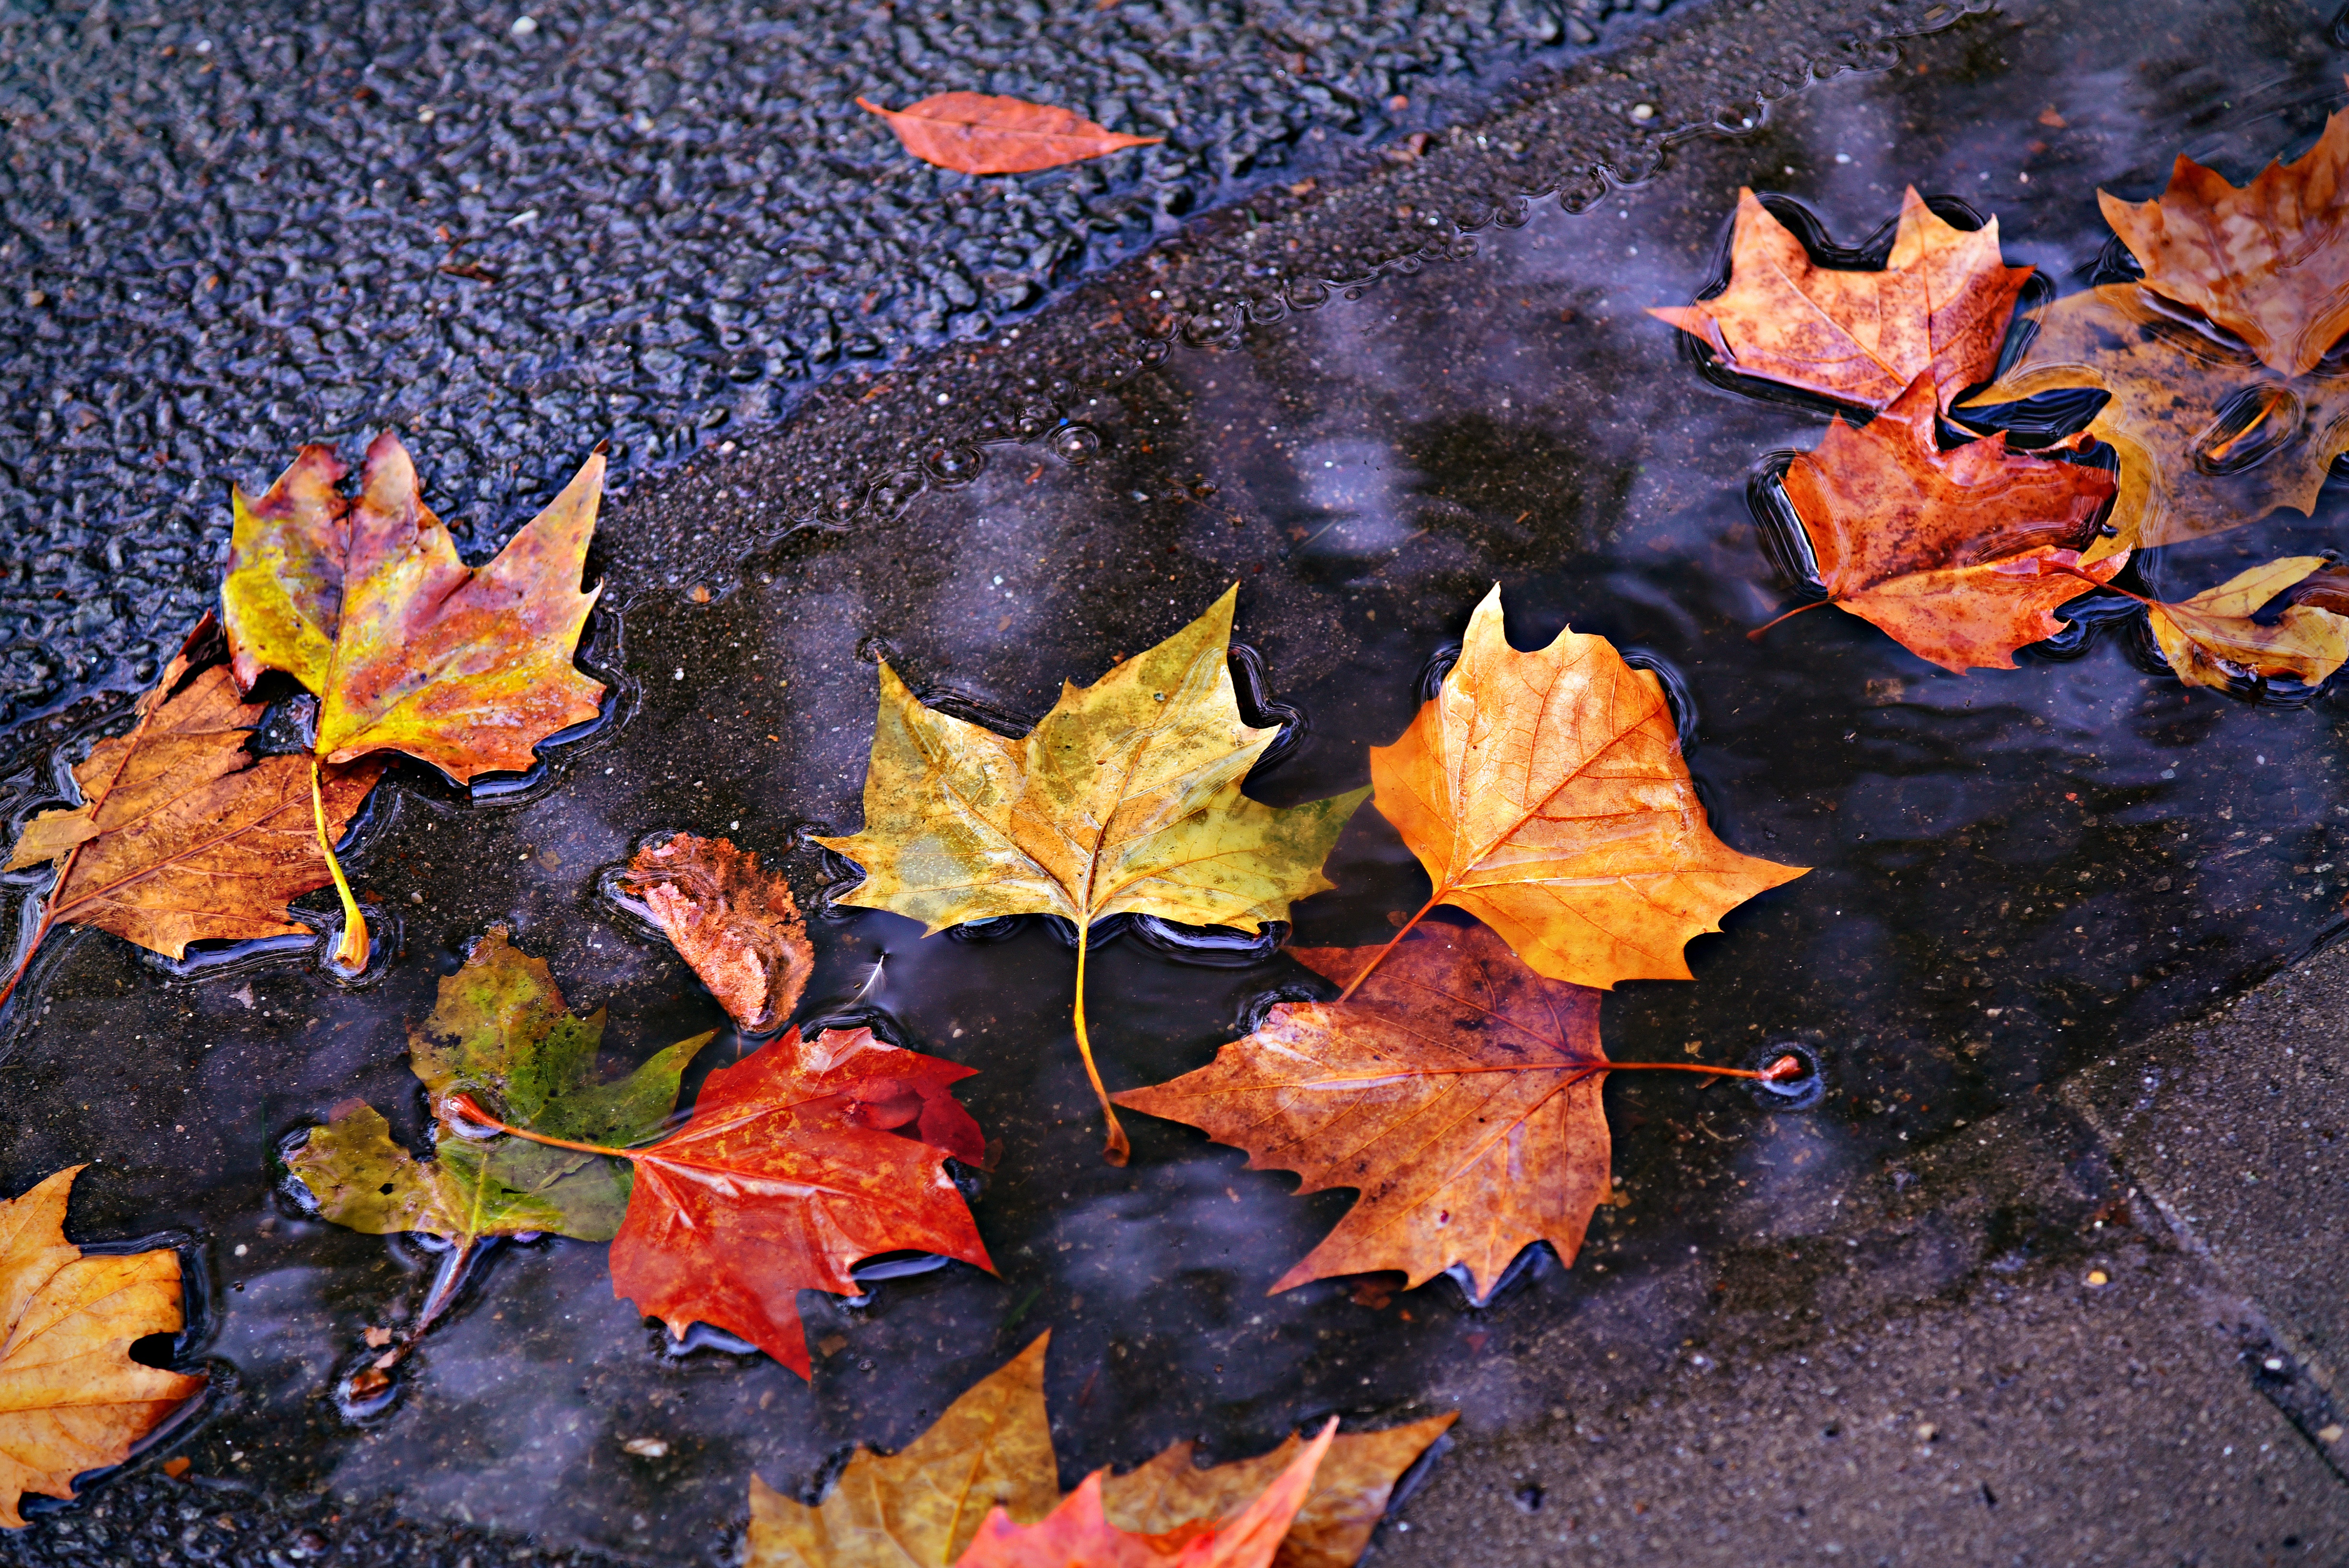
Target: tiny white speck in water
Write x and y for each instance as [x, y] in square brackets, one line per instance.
[240, 1249]
[524, 27]
[734, 826]
[1843, 157]
[679, 676]
[2260, 757]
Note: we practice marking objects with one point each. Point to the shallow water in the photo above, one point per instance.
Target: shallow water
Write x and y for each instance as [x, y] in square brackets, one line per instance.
[2014, 871]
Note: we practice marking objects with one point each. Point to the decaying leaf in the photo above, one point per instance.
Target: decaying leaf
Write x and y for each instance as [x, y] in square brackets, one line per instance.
[407, 649]
[1547, 796]
[978, 133]
[1344, 1505]
[992, 1450]
[71, 1398]
[183, 835]
[2209, 440]
[2211, 640]
[1959, 556]
[737, 925]
[1938, 309]
[1125, 797]
[920, 1507]
[1456, 1089]
[1077, 1533]
[2268, 262]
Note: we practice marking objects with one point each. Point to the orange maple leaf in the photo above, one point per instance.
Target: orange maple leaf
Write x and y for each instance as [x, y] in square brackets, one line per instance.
[2269, 262]
[1940, 307]
[980, 133]
[1959, 556]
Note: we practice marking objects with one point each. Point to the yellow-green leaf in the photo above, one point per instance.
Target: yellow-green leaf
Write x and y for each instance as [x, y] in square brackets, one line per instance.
[2211, 640]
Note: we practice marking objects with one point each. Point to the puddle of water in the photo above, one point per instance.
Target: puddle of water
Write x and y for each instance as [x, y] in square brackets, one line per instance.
[2014, 871]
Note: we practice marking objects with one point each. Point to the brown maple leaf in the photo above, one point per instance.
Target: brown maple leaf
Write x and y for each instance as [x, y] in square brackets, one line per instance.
[978, 133]
[71, 1398]
[2268, 263]
[1546, 794]
[2209, 440]
[183, 834]
[737, 926]
[1959, 556]
[1939, 308]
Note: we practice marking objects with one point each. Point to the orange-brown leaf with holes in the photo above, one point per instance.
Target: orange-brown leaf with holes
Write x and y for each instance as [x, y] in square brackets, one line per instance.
[980, 133]
[1962, 556]
[71, 1398]
[1939, 308]
[736, 924]
[1457, 1091]
[2268, 262]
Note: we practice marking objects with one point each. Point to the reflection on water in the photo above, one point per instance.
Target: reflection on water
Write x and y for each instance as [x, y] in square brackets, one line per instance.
[2014, 870]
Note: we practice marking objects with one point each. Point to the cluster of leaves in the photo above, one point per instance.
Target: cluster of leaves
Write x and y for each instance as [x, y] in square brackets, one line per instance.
[2218, 367]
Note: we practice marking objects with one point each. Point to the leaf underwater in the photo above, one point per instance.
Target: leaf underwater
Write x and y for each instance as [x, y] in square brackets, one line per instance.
[1126, 799]
[1456, 1090]
[919, 1508]
[183, 835]
[71, 1398]
[2269, 262]
[736, 926]
[2211, 640]
[980, 133]
[1959, 556]
[1546, 794]
[2209, 440]
[1938, 309]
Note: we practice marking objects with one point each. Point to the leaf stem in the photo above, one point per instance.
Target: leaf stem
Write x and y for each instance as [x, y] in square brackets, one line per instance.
[1114, 1149]
[466, 1105]
[1755, 636]
[351, 953]
[33, 948]
[1356, 982]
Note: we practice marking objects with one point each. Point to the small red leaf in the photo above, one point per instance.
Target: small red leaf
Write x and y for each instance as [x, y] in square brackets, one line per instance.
[976, 133]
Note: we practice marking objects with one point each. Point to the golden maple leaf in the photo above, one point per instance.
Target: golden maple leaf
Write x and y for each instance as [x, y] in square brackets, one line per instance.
[2209, 440]
[1939, 306]
[407, 648]
[71, 1398]
[182, 834]
[2211, 640]
[1547, 796]
[1124, 799]
[2268, 262]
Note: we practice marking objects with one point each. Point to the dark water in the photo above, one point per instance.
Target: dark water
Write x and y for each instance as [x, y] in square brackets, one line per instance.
[2014, 870]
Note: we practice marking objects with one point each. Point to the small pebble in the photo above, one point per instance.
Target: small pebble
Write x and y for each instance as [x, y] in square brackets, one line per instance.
[1644, 112]
[647, 1447]
[2098, 1277]
[524, 27]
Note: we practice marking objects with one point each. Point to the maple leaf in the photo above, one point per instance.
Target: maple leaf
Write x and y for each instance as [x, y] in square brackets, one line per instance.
[2211, 640]
[1938, 309]
[1126, 799]
[2208, 438]
[1960, 556]
[1546, 794]
[1078, 1532]
[2268, 262]
[407, 648]
[183, 834]
[737, 926]
[978, 133]
[71, 1398]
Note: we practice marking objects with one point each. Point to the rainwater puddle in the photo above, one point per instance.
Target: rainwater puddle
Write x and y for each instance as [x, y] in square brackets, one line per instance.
[2014, 871]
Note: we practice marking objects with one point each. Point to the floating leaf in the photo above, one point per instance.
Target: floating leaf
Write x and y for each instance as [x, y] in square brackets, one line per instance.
[71, 1398]
[183, 834]
[1959, 556]
[977, 133]
[1938, 309]
[2211, 640]
[1126, 797]
[737, 926]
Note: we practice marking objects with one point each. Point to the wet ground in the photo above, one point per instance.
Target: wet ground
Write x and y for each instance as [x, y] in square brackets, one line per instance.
[2018, 877]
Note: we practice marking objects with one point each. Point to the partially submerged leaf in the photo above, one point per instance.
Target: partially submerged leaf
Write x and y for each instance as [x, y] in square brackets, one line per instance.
[920, 1507]
[1959, 556]
[1348, 1497]
[2211, 640]
[183, 834]
[1457, 1091]
[1126, 797]
[1546, 794]
[1077, 1533]
[2208, 438]
[2268, 262]
[737, 925]
[71, 1398]
[980, 133]
[362, 1179]
[1938, 309]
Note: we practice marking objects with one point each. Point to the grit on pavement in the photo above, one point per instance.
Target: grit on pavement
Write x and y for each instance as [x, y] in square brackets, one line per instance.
[2104, 1325]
